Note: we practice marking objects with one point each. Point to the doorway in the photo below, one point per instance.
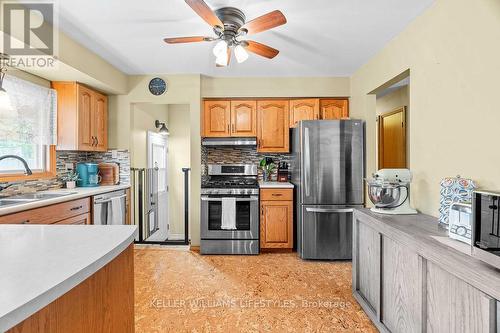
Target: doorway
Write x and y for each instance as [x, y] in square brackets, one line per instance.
[157, 155]
[392, 139]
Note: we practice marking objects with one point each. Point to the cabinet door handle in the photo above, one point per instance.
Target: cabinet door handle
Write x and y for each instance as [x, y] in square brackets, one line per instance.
[232, 127]
[93, 140]
[96, 141]
[76, 208]
[24, 222]
[228, 129]
[277, 194]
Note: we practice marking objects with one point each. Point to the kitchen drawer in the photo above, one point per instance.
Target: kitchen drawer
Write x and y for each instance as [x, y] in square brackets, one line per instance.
[79, 219]
[49, 214]
[276, 194]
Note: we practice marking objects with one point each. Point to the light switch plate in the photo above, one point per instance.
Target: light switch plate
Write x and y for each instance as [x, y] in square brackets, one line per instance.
[114, 153]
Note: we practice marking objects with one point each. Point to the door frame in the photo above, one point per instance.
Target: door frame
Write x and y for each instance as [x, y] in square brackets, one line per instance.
[380, 137]
[151, 136]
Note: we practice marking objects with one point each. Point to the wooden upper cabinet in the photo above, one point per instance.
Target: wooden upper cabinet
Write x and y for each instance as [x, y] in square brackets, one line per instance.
[331, 109]
[303, 109]
[85, 119]
[100, 118]
[243, 118]
[273, 126]
[217, 119]
[82, 118]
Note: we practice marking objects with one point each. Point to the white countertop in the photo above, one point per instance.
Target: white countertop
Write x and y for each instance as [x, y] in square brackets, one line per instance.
[76, 193]
[275, 185]
[40, 263]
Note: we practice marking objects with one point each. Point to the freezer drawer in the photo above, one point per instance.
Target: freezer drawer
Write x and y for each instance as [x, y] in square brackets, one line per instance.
[325, 232]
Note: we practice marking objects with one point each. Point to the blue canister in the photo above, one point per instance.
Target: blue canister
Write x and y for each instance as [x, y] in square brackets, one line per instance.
[88, 174]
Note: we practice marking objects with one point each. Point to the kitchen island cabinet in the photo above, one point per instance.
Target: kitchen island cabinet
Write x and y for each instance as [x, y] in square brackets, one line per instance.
[66, 278]
[410, 277]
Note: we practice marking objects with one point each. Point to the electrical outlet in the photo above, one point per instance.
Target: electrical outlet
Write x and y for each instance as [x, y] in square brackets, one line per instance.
[69, 166]
[114, 153]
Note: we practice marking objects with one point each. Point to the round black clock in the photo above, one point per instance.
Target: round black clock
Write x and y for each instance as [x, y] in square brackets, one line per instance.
[157, 86]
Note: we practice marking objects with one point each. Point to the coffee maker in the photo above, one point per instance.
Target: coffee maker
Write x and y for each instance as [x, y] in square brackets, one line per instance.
[283, 172]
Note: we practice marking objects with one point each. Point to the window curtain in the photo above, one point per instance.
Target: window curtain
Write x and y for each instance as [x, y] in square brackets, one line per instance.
[33, 118]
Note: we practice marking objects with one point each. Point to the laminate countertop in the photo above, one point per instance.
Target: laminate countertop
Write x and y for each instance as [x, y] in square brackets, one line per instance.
[40, 263]
[275, 185]
[425, 236]
[72, 194]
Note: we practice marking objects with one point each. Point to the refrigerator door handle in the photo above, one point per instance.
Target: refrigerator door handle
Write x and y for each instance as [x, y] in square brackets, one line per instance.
[330, 210]
[307, 161]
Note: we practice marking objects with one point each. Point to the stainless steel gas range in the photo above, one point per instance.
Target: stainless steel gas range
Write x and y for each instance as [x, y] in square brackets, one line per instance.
[230, 210]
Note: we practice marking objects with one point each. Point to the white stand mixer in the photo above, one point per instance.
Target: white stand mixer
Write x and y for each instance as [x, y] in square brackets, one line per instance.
[389, 190]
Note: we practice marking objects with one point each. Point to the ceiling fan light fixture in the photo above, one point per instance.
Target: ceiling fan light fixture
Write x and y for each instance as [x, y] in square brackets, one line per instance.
[221, 60]
[220, 48]
[240, 53]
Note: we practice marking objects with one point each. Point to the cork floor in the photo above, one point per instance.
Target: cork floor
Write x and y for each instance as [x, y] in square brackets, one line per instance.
[182, 291]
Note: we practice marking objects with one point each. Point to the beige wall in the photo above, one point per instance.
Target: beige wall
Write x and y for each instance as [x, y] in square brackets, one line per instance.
[393, 100]
[143, 120]
[178, 157]
[275, 87]
[452, 52]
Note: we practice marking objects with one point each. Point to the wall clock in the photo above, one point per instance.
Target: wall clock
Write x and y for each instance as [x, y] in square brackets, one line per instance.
[157, 86]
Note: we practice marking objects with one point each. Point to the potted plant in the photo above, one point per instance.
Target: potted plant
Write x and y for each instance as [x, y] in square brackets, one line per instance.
[267, 166]
[71, 179]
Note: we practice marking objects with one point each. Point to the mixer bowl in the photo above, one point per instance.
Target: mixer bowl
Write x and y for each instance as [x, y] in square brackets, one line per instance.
[384, 195]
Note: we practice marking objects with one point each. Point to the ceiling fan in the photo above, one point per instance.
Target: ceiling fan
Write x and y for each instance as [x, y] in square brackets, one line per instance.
[229, 24]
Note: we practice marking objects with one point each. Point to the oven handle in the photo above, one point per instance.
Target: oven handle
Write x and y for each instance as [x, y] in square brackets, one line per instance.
[237, 199]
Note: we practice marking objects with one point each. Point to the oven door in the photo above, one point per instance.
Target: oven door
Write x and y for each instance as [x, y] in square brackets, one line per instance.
[247, 218]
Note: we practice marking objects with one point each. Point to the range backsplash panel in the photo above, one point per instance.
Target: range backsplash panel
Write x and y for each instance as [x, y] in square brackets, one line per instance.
[237, 155]
[73, 157]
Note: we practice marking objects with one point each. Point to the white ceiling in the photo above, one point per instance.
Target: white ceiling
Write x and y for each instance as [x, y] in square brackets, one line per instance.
[321, 38]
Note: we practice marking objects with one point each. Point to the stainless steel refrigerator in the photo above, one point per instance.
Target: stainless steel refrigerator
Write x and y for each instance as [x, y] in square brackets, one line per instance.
[328, 171]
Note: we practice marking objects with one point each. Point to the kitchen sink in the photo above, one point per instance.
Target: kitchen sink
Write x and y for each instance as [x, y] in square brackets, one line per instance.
[31, 197]
[9, 202]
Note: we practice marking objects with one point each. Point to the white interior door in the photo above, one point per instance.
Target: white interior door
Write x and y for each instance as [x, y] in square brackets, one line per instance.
[158, 157]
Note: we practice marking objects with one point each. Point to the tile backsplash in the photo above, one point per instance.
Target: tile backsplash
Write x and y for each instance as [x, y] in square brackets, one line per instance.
[237, 155]
[64, 157]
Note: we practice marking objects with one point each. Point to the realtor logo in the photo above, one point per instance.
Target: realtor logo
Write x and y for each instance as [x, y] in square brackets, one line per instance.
[29, 36]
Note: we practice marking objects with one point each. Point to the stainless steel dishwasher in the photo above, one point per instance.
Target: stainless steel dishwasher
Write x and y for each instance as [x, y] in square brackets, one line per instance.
[109, 208]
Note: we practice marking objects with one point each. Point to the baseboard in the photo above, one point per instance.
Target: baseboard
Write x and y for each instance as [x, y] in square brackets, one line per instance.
[194, 248]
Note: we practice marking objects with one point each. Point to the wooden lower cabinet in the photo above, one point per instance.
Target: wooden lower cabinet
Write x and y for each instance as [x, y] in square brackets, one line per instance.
[276, 219]
[401, 288]
[454, 306]
[367, 258]
[104, 302]
[403, 292]
[49, 214]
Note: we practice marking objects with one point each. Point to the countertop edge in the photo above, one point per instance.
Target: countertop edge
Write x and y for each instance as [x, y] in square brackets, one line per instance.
[85, 192]
[464, 266]
[285, 185]
[23, 312]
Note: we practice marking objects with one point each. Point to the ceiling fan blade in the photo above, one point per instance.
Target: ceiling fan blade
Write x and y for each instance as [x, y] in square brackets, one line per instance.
[228, 58]
[193, 39]
[202, 9]
[265, 22]
[261, 49]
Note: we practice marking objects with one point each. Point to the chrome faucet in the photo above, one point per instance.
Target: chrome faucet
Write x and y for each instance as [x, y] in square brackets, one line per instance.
[27, 170]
